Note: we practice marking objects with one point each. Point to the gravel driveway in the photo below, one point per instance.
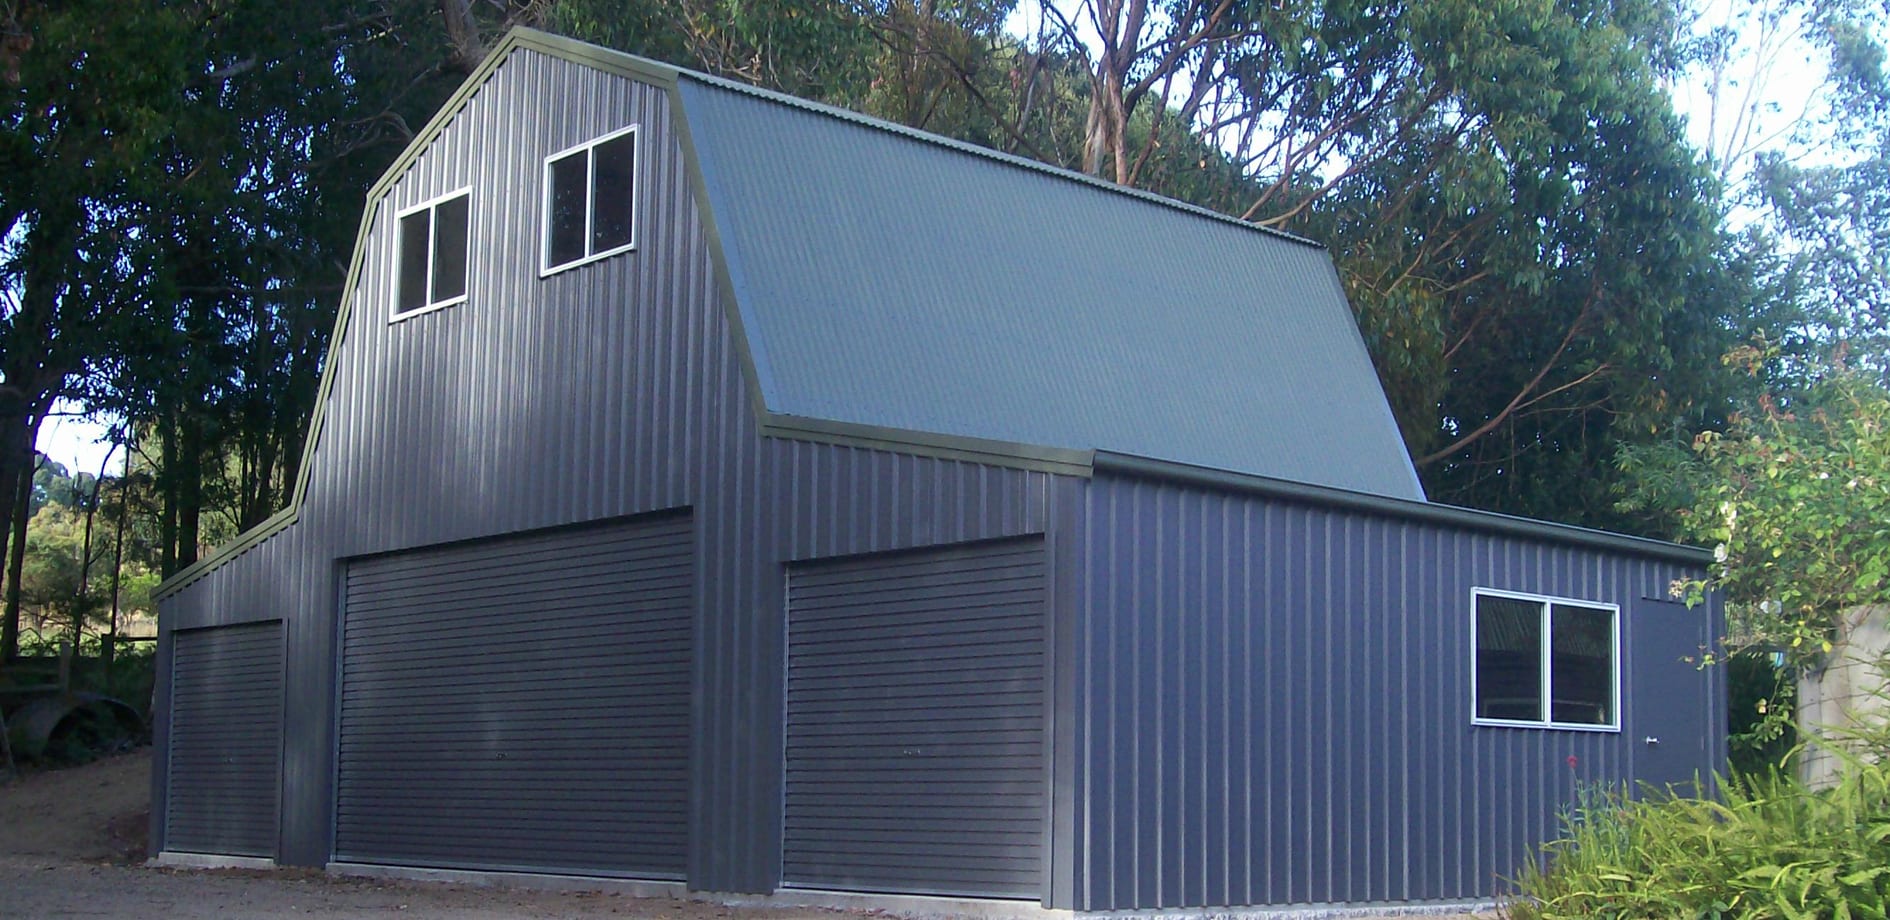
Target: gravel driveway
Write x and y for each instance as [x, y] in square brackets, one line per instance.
[72, 845]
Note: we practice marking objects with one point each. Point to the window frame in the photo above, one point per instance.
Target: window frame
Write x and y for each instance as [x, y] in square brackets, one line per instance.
[432, 207]
[1547, 602]
[589, 150]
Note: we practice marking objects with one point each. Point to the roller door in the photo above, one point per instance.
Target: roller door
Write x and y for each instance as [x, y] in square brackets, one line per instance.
[915, 739]
[520, 703]
[225, 740]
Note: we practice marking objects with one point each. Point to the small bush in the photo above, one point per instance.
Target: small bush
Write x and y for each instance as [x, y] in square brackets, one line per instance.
[1770, 848]
[1760, 698]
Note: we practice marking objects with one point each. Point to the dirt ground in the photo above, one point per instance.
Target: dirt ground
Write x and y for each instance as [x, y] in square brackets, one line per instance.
[72, 845]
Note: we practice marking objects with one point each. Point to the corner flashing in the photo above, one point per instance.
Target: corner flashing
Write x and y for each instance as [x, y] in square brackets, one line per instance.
[270, 526]
[1055, 460]
[1135, 467]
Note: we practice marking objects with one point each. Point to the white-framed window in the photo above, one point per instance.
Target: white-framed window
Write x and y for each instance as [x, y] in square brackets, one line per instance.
[430, 258]
[590, 201]
[1546, 662]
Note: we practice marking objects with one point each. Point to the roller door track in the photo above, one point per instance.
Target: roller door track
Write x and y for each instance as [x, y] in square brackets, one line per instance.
[520, 704]
[225, 740]
[915, 740]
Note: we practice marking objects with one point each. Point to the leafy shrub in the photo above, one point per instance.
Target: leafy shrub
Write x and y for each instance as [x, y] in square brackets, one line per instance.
[1761, 695]
[1770, 848]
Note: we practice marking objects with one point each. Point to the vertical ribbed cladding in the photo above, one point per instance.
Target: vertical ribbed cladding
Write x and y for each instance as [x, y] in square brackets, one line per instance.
[273, 580]
[770, 502]
[1275, 703]
[608, 390]
[488, 417]
[493, 415]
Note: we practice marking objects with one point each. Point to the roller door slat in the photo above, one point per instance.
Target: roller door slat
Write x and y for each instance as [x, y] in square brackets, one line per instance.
[521, 703]
[915, 698]
[225, 743]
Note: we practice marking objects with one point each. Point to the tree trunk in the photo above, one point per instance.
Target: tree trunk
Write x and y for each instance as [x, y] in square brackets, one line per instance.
[167, 497]
[83, 602]
[110, 649]
[22, 511]
[191, 450]
[17, 498]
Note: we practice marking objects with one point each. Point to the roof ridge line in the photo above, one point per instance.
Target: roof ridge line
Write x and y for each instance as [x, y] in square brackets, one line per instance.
[548, 40]
[952, 143]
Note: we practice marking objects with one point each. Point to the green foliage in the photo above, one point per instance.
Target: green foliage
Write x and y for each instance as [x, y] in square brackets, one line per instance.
[1794, 496]
[52, 594]
[1760, 697]
[1769, 847]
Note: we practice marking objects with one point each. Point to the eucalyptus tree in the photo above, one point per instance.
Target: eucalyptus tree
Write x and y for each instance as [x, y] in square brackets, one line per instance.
[91, 91]
[1533, 252]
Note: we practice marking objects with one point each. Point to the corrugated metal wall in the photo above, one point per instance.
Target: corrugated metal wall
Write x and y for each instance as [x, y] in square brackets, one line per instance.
[1274, 703]
[605, 391]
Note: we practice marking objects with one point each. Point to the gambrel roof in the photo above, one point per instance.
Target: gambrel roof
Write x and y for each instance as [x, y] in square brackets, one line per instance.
[892, 289]
[894, 279]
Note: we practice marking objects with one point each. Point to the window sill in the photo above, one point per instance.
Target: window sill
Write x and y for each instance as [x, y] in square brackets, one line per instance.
[558, 269]
[429, 308]
[1547, 726]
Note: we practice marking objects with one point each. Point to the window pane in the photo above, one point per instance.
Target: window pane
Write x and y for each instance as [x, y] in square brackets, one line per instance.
[412, 294]
[566, 233]
[449, 248]
[1581, 665]
[1509, 659]
[615, 163]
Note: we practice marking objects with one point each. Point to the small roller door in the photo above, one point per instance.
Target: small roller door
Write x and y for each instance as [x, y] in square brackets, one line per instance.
[225, 740]
[520, 703]
[915, 740]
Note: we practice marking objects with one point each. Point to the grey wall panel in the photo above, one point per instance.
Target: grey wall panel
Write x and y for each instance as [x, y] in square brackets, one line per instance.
[520, 703]
[1275, 704]
[274, 580]
[605, 391]
[225, 740]
[916, 746]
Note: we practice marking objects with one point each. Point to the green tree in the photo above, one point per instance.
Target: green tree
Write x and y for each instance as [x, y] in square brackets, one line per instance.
[1794, 497]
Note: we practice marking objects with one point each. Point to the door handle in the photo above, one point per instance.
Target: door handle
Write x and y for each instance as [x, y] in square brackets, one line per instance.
[1652, 740]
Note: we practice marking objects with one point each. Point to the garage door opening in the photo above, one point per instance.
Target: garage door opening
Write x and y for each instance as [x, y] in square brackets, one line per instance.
[520, 703]
[915, 736]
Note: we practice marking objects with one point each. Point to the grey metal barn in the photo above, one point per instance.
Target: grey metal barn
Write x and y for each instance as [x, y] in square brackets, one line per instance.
[712, 488]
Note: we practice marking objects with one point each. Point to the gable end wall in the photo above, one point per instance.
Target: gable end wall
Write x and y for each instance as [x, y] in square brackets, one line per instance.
[609, 390]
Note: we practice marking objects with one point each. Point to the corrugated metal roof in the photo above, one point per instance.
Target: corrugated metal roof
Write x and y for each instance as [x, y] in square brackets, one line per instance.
[889, 279]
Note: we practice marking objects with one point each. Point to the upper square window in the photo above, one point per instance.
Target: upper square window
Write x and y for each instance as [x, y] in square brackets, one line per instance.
[590, 201]
[431, 268]
[1545, 661]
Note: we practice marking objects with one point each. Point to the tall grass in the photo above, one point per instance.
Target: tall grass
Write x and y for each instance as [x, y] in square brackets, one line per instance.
[1768, 847]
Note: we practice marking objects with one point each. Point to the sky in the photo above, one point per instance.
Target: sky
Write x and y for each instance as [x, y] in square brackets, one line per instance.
[77, 443]
[1787, 89]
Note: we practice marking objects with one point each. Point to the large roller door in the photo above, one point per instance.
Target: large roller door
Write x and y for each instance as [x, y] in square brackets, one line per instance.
[915, 739]
[225, 740]
[520, 703]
